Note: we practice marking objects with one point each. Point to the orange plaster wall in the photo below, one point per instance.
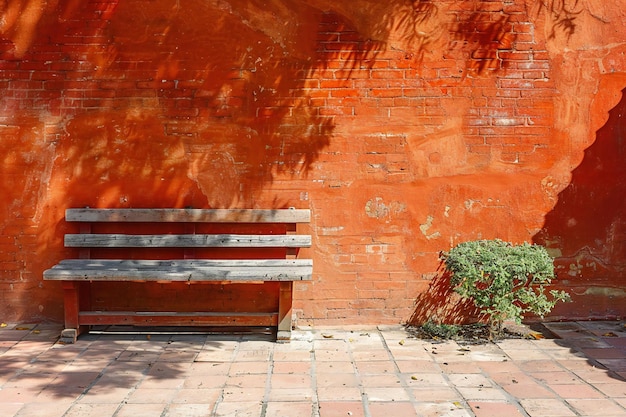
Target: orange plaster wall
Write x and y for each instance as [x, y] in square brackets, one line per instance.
[406, 127]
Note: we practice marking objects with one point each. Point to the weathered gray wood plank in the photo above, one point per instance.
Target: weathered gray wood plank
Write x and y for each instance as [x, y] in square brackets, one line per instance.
[196, 318]
[189, 215]
[187, 241]
[181, 270]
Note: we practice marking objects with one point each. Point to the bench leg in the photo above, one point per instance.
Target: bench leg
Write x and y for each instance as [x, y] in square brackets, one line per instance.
[71, 303]
[284, 311]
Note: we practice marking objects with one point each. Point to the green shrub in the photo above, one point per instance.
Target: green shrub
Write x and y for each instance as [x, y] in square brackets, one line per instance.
[441, 331]
[504, 281]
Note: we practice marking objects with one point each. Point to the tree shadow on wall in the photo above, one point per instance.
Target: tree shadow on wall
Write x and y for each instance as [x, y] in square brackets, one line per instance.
[482, 34]
[165, 109]
[587, 223]
[562, 15]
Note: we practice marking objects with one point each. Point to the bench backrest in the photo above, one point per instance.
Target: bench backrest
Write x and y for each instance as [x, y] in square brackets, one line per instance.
[190, 238]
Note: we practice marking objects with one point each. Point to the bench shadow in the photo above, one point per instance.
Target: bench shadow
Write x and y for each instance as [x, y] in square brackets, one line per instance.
[110, 363]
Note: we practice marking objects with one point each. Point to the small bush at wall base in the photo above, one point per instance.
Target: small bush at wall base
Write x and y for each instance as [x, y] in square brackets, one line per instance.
[504, 281]
[442, 331]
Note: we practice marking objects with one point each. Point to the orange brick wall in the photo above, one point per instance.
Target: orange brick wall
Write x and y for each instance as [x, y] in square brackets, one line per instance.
[406, 127]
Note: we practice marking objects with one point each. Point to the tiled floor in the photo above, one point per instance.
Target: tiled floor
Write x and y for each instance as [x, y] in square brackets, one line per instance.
[321, 373]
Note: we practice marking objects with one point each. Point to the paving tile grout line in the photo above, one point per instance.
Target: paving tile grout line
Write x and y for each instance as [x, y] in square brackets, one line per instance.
[364, 397]
[396, 368]
[315, 412]
[268, 384]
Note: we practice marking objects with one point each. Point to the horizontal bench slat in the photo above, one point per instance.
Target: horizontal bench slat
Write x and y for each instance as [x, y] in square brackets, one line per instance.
[176, 318]
[186, 241]
[189, 215]
[181, 270]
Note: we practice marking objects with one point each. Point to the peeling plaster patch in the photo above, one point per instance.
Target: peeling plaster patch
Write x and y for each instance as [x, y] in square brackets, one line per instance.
[331, 230]
[606, 292]
[576, 269]
[426, 226]
[469, 204]
[377, 209]
[446, 211]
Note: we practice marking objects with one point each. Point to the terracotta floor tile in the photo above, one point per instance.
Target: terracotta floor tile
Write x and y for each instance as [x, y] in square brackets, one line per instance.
[58, 395]
[596, 376]
[92, 410]
[50, 409]
[421, 380]
[259, 355]
[386, 394]
[209, 368]
[613, 390]
[380, 380]
[576, 391]
[339, 394]
[152, 382]
[289, 367]
[439, 409]
[291, 394]
[494, 409]
[290, 381]
[151, 396]
[334, 367]
[205, 381]
[197, 396]
[289, 409]
[386, 409]
[332, 355]
[436, 394]
[600, 407]
[238, 409]
[333, 380]
[561, 378]
[293, 356]
[461, 367]
[11, 409]
[140, 410]
[418, 366]
[546, 407]
[371, 355]
[247, 381]
[470, 380]
[105, 395]
[376, 367]
[341, 409]
[539, 366]
[19, 395]
[189, 410]
[479, 394]
[528, 389]
[235, 394]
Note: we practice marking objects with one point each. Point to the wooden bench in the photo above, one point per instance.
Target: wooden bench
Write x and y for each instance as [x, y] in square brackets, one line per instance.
[193, 248]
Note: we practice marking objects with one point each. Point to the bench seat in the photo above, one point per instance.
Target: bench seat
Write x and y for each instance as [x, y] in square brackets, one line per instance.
[181, 270]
